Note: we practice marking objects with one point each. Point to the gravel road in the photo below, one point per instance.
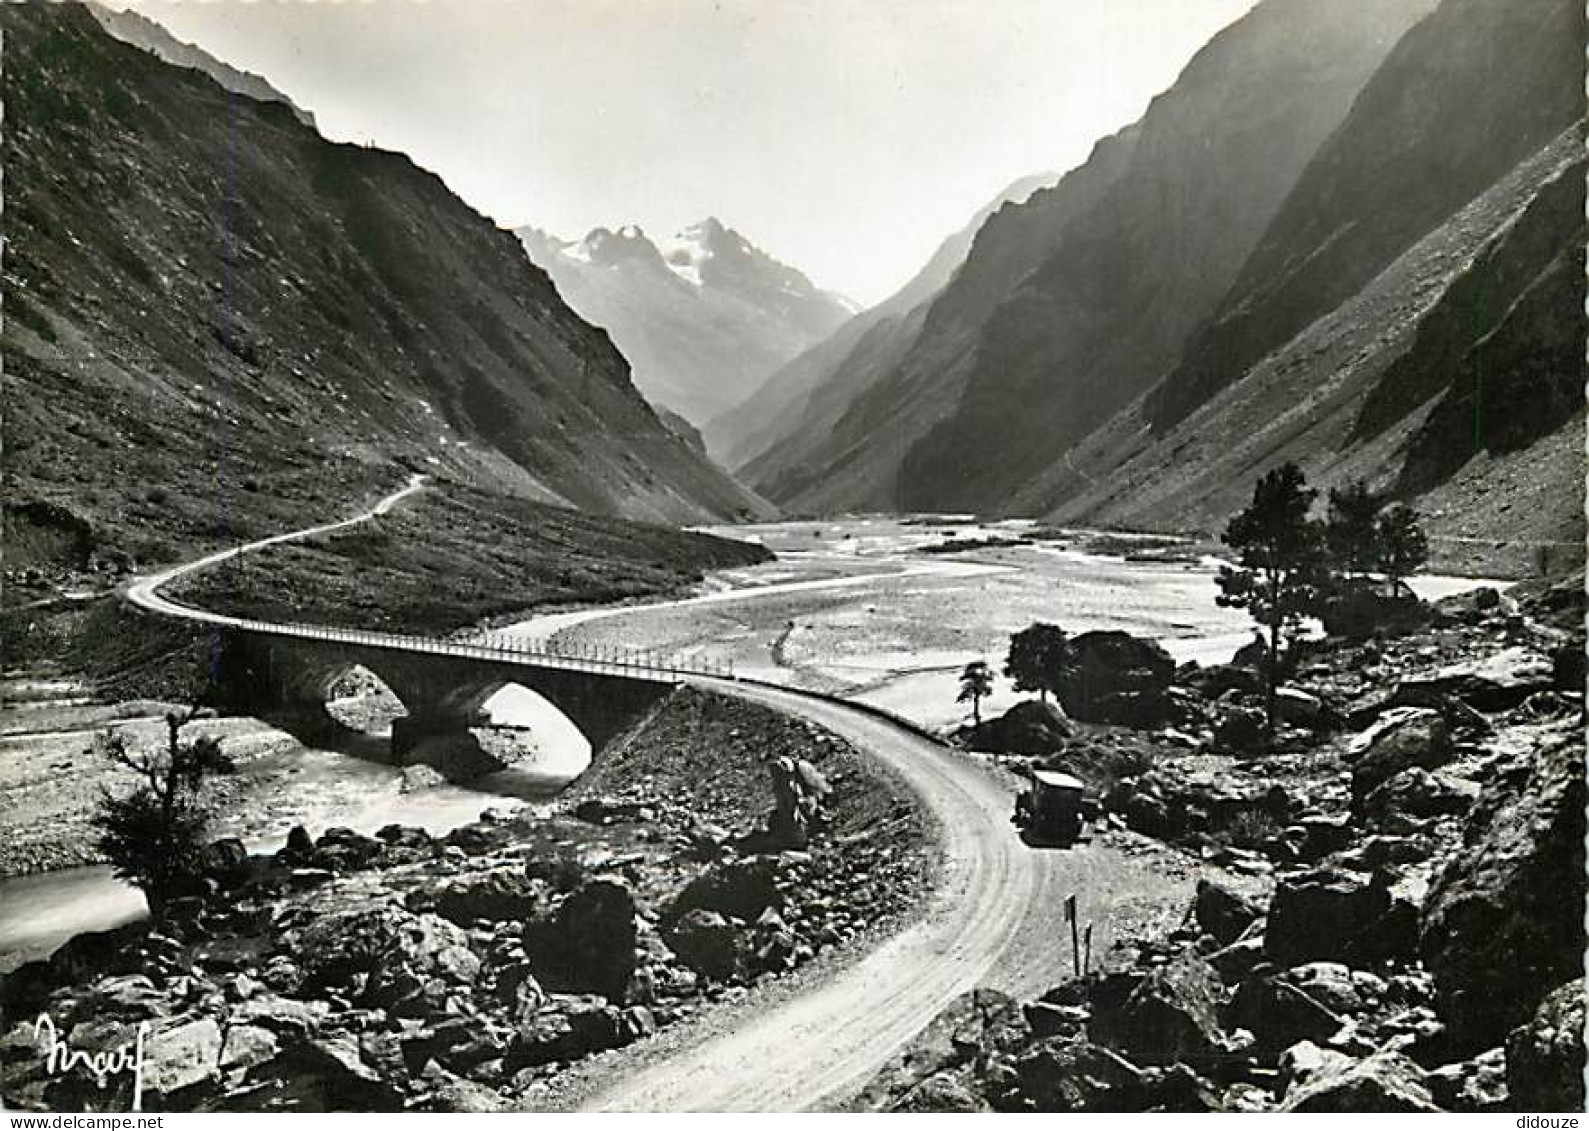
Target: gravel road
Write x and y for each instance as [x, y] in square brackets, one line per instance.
[996, 919]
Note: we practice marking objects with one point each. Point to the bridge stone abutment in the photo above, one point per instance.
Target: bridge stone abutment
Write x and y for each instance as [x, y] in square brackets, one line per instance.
[289, 679]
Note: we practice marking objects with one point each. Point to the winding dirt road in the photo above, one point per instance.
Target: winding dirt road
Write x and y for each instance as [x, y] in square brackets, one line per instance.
[145, 592]
[994, 920]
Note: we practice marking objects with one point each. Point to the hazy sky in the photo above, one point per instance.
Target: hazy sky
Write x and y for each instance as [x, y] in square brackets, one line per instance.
[845, 136]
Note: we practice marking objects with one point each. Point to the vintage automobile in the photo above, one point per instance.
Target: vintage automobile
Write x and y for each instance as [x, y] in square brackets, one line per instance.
[1053, 810]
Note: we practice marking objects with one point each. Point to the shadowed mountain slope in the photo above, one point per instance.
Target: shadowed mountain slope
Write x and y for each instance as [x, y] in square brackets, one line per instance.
[1466, 95]
[218, 322]
[772, 430]
[1073, 303]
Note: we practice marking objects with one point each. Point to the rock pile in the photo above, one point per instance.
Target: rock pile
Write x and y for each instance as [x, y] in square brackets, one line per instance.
[1407, 929]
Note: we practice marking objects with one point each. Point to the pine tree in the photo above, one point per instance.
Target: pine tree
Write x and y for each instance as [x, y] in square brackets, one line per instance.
[976, 684]
[1402, 548]
[1281, 567]
[1350, 529]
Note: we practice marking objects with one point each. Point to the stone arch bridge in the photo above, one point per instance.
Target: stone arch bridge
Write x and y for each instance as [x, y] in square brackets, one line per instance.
[286, 672]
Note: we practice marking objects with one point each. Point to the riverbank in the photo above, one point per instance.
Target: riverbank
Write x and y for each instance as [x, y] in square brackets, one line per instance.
[529, 941]
[52, 775]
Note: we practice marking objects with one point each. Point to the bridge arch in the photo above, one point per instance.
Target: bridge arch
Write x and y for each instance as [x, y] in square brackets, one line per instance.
[445, 696]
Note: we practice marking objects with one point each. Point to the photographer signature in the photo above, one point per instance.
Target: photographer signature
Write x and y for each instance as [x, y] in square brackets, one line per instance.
[60, 1057]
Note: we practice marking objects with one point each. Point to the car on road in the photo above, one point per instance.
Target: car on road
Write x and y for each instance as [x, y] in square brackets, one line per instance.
[1053, 809]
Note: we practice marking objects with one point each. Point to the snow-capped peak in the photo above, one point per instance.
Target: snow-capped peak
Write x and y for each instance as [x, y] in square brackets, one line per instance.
[684, 252]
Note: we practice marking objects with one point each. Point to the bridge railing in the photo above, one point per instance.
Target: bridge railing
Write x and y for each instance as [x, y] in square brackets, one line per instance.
[506, 647]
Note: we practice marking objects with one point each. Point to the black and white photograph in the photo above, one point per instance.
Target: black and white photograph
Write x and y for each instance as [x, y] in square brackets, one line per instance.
[806, 556]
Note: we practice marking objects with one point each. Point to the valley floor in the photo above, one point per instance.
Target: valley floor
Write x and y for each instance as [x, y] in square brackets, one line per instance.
[663, 823]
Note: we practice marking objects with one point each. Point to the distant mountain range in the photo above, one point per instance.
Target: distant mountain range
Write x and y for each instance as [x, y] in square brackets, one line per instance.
[1346, 235]
[704, 317]
[218, 322]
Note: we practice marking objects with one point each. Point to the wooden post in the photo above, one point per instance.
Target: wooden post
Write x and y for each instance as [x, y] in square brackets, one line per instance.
[1086, 951]
[1075, 942]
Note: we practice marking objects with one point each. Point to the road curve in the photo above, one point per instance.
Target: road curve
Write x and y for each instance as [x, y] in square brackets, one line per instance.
[820, 1047]
[144, 592]
[993, 918]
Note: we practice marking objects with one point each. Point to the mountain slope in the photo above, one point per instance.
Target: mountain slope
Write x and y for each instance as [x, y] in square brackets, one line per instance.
[131, 26]
[704, 318]
[1381, 388]
[1464, 97]
[1073, 303]
[217, 321]
[766, 433]
[1452, 371]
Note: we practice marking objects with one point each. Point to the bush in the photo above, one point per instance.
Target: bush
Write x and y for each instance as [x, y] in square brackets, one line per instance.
[562, 870]
[154, 836]
[158, 851]
[1250, 828]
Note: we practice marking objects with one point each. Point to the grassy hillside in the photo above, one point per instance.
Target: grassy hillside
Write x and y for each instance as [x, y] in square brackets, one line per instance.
[220, 324]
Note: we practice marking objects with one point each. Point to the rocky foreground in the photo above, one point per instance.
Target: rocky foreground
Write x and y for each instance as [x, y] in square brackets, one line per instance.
[1418, 826]
[406, 972]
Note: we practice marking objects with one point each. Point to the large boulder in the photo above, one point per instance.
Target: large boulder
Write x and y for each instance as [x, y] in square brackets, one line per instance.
[394, 954]
[1114, 677]
[742, 888]
[500, 896]
[331, 1074]
[710, 945]
[1472, 606]
[181, 1055]
[1060, 1075]
[1033, 727]
[1496, 682]
[1279, 1012]
[1217, 680]
[588, 945]
[1413, 796]
[940, 1093]
[225, 861]
[1171, 1015]
[1241, 730]
[1545, 1056]
[1223, 912]
[1329, 983]
[1476, 1084]
[1400, 739]
[1503, 921]
[343, 850]
[1334, 915]
[1302, 708]
[927, 1075]
[1384, 1082]
[1305, 1061]
[567, 1027]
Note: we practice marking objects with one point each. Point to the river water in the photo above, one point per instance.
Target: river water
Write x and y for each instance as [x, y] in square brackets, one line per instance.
[854, 607]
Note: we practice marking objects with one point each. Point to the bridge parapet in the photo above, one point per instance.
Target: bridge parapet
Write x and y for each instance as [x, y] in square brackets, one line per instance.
[288, 671]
